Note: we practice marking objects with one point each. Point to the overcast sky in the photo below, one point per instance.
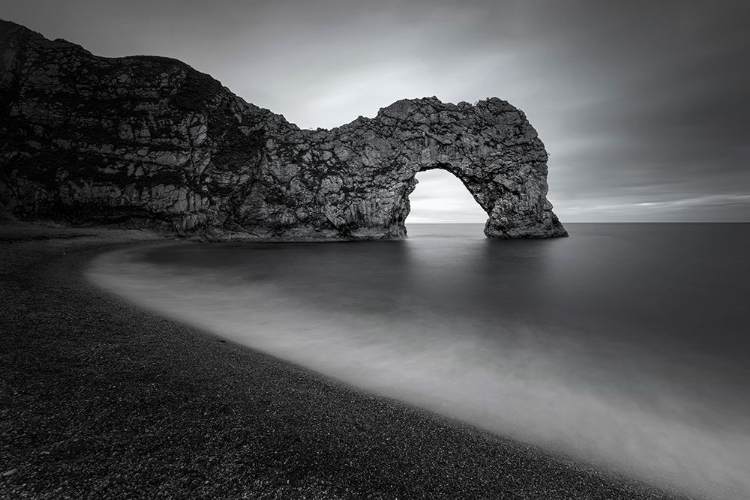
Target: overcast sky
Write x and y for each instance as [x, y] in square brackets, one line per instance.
[644, 106]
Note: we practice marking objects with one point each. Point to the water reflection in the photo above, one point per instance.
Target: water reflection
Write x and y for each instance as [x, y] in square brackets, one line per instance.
[621, 345]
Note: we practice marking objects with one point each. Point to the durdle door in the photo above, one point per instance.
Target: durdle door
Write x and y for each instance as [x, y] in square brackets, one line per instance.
[149, 142]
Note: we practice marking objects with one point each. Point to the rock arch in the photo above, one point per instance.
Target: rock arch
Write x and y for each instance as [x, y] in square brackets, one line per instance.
[369, 166]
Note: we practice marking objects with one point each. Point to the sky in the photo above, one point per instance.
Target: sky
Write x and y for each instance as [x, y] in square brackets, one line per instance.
[644, 106]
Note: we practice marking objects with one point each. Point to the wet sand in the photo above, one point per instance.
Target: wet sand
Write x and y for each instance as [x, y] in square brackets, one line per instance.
[100, 399]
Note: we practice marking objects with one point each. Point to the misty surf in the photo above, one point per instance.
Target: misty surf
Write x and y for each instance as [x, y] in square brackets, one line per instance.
[622, 346]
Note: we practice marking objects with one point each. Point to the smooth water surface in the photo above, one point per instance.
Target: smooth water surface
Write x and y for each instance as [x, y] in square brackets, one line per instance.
[625, 345]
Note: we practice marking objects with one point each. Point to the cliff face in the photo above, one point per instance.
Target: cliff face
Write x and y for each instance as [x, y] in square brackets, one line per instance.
[150, 142]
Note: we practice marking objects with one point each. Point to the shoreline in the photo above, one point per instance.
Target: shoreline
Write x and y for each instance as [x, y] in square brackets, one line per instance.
[102, 399]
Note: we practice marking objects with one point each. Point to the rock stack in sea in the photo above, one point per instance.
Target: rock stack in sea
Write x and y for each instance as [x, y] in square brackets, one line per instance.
[150, 142]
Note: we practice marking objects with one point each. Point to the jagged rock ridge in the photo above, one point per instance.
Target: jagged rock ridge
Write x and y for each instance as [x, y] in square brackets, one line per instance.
[150, 142]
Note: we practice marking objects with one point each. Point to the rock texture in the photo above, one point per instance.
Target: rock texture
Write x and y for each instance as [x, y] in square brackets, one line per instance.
[150, 142]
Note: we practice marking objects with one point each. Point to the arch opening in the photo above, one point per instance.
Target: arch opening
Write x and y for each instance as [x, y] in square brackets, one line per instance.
[441, 198]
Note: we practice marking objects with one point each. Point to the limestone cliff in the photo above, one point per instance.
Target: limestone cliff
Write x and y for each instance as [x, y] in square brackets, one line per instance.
[150, 142]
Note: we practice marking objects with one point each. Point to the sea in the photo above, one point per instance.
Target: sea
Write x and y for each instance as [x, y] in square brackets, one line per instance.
[625, 346]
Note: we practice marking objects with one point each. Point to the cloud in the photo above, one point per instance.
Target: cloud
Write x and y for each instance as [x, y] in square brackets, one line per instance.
[713, 208]
[634, 100]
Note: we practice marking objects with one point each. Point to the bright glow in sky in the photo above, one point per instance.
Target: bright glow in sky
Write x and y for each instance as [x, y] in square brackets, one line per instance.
[441, 197]
[642, 105]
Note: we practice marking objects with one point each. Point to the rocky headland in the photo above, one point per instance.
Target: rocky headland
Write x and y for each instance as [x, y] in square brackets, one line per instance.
[149, 142]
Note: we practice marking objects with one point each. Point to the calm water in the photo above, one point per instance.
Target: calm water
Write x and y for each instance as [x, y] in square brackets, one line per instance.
[625, 345]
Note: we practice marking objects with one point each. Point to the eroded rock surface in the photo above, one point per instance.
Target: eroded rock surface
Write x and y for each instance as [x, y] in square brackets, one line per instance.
[150, 142]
